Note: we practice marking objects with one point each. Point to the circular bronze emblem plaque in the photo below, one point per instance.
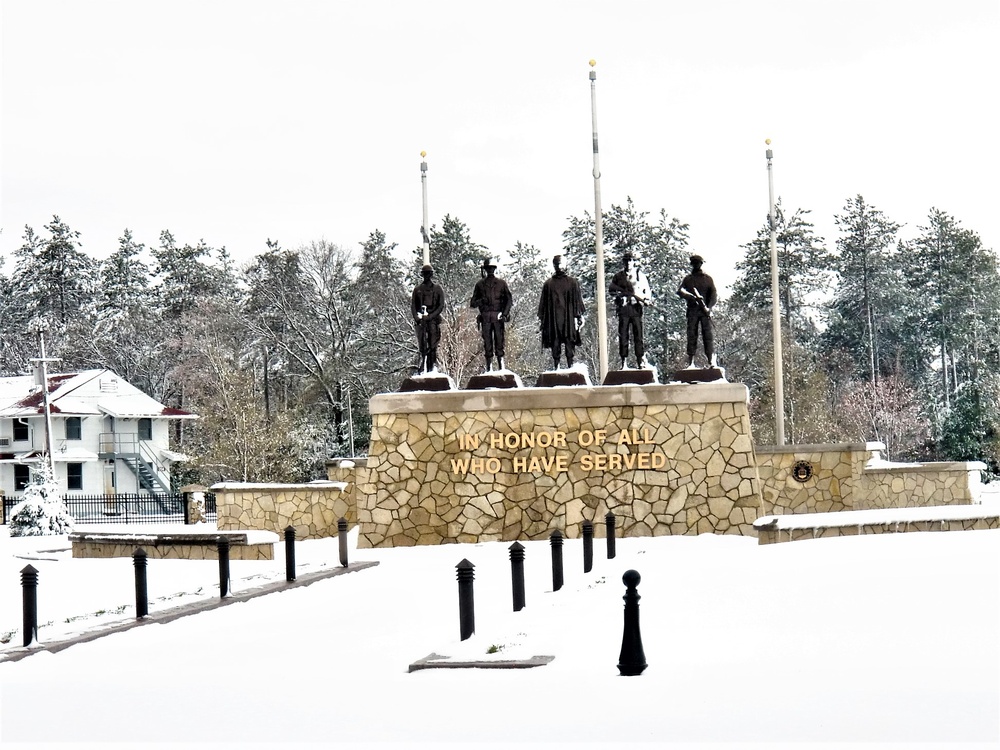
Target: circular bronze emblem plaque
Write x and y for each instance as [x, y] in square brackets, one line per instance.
[802, 471]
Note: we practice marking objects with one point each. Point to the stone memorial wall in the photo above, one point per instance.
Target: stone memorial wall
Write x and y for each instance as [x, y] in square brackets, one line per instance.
[472, 466]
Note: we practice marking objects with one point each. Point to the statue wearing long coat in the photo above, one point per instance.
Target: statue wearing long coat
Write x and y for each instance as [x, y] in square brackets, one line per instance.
[559, 308]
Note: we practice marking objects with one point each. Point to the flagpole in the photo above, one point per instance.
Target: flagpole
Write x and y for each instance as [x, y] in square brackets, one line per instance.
[779, 388]
[424, 230]
[602, 310]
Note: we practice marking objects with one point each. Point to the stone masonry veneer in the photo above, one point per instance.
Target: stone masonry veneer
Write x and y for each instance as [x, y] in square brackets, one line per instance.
[472, 466]
[311, 509]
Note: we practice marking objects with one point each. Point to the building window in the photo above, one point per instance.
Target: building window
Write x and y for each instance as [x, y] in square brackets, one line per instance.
[145, 428]
[20, 431]
[74, 428]
[74, 476]
[21, 477]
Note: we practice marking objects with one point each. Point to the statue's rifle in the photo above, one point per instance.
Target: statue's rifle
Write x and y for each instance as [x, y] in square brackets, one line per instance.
[701, 300]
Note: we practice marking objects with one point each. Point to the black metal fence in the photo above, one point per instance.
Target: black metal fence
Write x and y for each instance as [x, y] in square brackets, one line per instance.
[158, 507]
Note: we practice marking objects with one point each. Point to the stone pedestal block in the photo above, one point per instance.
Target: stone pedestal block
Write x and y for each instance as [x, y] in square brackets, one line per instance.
[470, 466]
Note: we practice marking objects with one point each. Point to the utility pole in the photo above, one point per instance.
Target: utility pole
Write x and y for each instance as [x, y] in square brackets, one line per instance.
[42, 378]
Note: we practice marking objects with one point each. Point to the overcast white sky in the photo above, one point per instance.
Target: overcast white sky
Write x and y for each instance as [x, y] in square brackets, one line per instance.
[235, 122]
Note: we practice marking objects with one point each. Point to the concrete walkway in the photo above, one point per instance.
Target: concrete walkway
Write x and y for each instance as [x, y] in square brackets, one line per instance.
[194, 608]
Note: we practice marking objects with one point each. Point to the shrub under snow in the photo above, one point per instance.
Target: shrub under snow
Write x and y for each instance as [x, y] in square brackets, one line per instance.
[41, 511]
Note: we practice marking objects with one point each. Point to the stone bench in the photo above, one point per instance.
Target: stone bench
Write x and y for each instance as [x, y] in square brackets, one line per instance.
[795, 527]
[256, 545]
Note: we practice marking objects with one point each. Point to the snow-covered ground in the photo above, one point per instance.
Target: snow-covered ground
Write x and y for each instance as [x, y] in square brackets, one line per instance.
[861, 640]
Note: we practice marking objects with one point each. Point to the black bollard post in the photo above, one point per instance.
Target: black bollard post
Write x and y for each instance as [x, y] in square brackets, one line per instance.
[556, 542]
[588, 546]
[222, 543]
[517, 574]
[289, 553]
[631, 660]
[466, 601]
[29, 595]
[141, 597]
[609, 521]
[342, 535]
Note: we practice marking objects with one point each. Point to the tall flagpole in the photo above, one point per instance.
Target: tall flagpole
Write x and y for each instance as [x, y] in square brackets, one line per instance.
[423, 227]
[602, 309]
[779, 387]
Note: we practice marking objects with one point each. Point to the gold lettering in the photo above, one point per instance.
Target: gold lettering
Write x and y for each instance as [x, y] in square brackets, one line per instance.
[658, 464]
[647, 438]
[586, 439]
[586, 461]
[544, 440]
[600, 436]
[520, 464]
[492, 465]
[459, 466]
[468, 442]
[642, 460]
[559, 439]
[496, 440]
[562, 463]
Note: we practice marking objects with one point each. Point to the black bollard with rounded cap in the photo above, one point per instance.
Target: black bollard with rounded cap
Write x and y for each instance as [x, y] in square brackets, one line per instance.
[588, 546]
[609, 521]
[631, 660]
[29, 600]
[141, 595]
[517, 575]
[342, 539]
[466, 599]
[222, 546]
[556, 543]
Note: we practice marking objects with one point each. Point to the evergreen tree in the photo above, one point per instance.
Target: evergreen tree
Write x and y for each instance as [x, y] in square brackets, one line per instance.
[953, 305]
[865, 311]
[971, 430]
[53, 278]
[125, 334]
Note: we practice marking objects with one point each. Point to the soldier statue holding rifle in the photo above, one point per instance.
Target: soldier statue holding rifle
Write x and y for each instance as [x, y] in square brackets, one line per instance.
[698, 290]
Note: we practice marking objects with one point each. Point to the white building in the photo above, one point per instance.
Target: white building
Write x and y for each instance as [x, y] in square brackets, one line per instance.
[107, 435]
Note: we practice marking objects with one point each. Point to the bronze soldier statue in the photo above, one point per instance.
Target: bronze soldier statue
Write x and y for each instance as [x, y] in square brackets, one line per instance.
[630, 290]
[426, 305]
[560, 312]
[493, 300]
[698, 290]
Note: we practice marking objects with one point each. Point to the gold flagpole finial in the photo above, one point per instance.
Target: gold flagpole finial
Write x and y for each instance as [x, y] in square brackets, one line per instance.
[593, 63]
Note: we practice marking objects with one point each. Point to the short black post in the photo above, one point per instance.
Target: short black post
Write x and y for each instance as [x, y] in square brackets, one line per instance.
[556, 542]
[588, 546]
[631, 660]
[141, 597]
[466, 600]
[29, 594]
[223, 546]
[609, 521]
[517, 574]
[289, 553]
[342, 535]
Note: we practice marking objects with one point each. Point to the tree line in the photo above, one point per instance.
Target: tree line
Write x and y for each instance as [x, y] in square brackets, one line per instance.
[884, 339]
